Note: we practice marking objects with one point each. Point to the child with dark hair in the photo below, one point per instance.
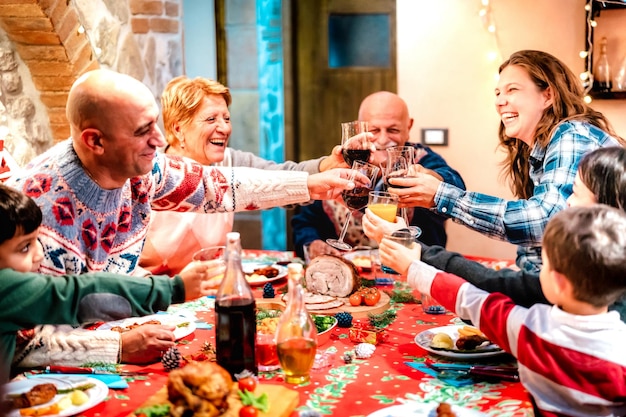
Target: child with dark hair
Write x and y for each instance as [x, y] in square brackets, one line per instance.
[28, 298]
[570, 354]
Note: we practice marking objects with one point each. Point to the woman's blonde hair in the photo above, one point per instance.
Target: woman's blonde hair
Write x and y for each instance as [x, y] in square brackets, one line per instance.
[183, 97]
[546, 71]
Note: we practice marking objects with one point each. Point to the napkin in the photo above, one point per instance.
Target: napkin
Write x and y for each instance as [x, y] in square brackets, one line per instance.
[454, 381]
[111, 380]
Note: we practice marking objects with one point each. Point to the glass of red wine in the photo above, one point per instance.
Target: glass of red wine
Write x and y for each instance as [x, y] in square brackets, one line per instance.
[398, 165]
[355, 199]
[355, 145]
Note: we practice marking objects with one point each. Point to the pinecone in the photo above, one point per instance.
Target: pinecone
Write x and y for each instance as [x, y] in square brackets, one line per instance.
[171, 359]
[268, 290]
[347, 357]
[344, 319]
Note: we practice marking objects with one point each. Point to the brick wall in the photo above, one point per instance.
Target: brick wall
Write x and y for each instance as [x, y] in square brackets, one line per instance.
[58, 40]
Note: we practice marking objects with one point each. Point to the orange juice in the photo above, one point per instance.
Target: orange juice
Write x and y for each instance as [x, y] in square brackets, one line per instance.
[384, 211]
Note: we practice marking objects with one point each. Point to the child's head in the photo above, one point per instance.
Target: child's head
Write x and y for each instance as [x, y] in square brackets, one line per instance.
[20, 218]
[601, 178]
[587, 245]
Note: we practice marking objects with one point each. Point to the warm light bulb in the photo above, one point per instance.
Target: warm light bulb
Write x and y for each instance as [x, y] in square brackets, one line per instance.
[583, 54]
[587, 7]
[485, 2]
[584, 75]
[593, 23]
[492, 56]
[587, 99]
[482, 12]
[491, 28]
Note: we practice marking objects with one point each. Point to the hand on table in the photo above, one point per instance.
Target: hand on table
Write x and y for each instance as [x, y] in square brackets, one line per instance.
[202, 277]
[146, 343]
[397, 256]
[375, 227]
[421, 189]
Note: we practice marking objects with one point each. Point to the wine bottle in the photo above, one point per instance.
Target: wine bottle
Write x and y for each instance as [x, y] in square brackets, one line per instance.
[602, 74]
[235, 309]
[296, 334]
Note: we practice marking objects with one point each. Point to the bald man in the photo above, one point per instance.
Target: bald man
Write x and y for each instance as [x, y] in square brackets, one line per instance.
[389, 121]
[98, 188]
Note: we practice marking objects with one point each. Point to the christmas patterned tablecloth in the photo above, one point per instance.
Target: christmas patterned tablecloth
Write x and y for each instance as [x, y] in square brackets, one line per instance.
[357, 388]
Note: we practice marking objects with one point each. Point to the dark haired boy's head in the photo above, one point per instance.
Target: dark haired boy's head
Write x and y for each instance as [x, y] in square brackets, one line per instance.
[20, 218]
[587, 245]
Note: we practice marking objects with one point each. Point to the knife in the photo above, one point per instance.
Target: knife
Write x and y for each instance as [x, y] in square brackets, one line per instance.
[506, 373]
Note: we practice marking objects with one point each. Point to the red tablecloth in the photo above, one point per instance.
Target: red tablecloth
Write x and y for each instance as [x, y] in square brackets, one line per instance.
[355, 389]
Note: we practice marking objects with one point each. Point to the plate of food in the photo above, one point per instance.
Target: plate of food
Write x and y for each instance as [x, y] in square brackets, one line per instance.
[459, 342]
[184, 325]
[362, 259]
[259, 273]
[60, 396]
[426, 410]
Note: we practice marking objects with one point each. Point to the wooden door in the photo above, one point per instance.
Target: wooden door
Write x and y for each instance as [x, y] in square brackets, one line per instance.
[329, 80]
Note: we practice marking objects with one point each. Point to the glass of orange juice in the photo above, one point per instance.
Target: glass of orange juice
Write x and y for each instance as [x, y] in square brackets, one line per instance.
[383, 204]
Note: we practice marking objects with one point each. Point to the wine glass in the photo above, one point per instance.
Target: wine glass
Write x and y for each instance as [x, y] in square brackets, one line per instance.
[355, 199]
[399, 161]
[355, 144]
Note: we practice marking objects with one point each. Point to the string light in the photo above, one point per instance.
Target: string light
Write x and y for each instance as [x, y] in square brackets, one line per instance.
[489, 23]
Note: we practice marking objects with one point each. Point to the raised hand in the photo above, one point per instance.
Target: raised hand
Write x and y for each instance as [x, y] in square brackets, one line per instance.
[376, 227]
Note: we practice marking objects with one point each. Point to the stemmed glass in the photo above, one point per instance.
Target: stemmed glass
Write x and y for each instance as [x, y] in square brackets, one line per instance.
[355, 199]
[355, 145]
[399, 161]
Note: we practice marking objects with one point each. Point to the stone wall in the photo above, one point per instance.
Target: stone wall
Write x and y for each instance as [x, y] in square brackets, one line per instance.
[46, 44]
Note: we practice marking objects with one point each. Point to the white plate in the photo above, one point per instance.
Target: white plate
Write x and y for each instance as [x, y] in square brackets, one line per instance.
[96, 394]
[425, 410]
[365, 254]
[424, 338]
[249, 267]
[184, 325]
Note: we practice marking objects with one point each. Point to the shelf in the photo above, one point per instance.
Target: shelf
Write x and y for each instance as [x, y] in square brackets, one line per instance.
[612, 95]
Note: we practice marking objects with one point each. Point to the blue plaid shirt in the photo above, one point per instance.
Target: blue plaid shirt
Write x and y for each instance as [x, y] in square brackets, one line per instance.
[522, 222]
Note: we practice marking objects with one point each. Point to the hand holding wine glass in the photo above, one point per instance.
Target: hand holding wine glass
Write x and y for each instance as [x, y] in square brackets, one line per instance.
[355, 199]
[400, 160]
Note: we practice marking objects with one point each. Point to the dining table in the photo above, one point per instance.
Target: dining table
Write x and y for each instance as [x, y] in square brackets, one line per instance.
[343, 384]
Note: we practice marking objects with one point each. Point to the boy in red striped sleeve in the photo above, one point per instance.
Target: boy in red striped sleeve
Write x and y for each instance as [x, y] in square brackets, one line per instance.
[571, 355]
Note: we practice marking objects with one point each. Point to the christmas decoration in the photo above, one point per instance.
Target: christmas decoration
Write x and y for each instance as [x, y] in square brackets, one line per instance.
[344, 319]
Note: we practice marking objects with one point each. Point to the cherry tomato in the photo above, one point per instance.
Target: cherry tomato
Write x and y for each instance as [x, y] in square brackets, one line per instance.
[248, 411]
[247, 383]
[356, 299]
[372, 297]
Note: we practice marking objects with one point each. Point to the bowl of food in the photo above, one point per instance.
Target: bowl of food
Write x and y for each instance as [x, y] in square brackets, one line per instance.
[325, 326]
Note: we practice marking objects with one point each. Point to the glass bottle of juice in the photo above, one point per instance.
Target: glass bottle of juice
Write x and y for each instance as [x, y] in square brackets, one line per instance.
[296, 334]
[235, 327]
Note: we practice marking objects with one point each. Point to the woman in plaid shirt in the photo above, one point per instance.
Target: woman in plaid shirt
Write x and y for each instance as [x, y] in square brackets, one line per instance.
[546, 128]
